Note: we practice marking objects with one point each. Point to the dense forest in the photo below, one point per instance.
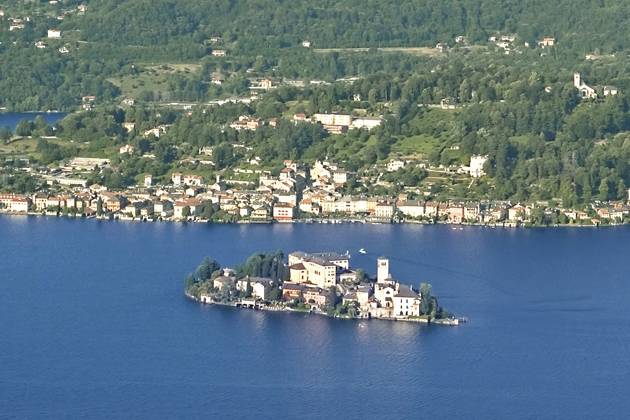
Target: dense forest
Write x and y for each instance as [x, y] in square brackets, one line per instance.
[583, 25]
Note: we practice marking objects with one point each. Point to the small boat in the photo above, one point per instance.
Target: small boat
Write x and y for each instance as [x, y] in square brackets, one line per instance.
[362, 251]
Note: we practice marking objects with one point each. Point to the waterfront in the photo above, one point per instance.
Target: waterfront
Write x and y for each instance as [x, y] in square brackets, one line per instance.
[11, 119]
[95, 325]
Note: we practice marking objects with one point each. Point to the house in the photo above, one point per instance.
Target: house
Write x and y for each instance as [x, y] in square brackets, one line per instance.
[340, 177]
[414, 209]
[610, 90]
[441, 47]
[111, 202]
[260, 286]
[547, 41]
[316, 296]
[193, 205]
[367, 123]
[163, 208]
[129, 126]
[260, 213]
[406, 302]
[16, 203]
[477, 163]
[384, 211]
[455, 213]
[126, 149]
[395, 164]
[148, 180]
[192, 180]
[246, 122]
[321, 269]
[20, 205]
[88, 164]
[219, 53]
[176, 178]
[518, 213]
[291, 291]
[54, 34]
[300, 117]
[156, 132]
[222, 283]
[431, 209]
[40, 200]
[283, 212]
[307, 206]
[472, 213]
[306, 44]
[334, 123]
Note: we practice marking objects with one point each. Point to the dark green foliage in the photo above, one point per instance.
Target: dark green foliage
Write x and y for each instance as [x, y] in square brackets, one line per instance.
[265, 265]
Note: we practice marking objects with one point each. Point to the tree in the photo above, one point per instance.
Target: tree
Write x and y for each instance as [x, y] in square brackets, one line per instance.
[205, 270]
[24, 128]
[425, 294]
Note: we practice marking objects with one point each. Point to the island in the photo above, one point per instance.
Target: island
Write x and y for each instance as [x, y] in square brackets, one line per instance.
[321, 283]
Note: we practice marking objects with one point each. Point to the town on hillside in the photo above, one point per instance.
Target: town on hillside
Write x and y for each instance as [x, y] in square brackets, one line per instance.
[321, 282]
[299, 192]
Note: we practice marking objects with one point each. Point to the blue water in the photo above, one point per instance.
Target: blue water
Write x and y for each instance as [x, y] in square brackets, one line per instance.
[11, 119]
[94, 325]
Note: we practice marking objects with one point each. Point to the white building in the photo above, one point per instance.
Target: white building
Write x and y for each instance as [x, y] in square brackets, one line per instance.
[367, 123]
[586, 91]
[126, 149]
[476, 165]
[411, 208]
[333, 119]
[382, 270]
[395, 164]
[54, 34]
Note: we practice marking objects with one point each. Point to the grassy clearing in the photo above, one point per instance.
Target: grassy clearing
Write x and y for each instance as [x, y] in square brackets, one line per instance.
[26, 147]
[20, 148]
[152, 78]
[416, 146]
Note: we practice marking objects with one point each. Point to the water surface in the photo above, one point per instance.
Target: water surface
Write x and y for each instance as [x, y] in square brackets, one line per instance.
[94, 324]
[11, 119]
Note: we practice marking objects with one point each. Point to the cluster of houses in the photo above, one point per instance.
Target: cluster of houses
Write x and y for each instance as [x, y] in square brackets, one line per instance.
[333, 123]
[507, 42]
[18, 23]
[297, 192]
[319, 279]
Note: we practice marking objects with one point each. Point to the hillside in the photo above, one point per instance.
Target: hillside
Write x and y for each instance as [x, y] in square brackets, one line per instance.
[580, 25]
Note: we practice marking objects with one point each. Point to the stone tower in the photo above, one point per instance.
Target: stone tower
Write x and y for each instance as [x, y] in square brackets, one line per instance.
[577, 80]
[382, 269]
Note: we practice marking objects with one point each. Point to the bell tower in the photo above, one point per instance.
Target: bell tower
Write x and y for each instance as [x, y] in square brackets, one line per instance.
[577, 80]
[382, 269]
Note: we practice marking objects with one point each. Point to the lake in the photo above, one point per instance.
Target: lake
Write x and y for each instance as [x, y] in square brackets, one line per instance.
[11, 119]
[95, 325]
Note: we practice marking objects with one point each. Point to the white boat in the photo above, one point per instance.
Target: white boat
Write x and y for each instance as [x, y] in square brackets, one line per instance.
[362, 251]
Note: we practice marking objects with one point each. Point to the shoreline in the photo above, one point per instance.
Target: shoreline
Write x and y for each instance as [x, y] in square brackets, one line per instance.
[444, 322]
[454, 226]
